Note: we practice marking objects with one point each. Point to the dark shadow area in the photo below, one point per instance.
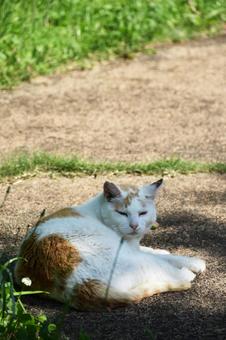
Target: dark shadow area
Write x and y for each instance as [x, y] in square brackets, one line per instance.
[203, 197]
[9, 247]
[168, 316]
[198, 313]
[210, 196]
[186, 229]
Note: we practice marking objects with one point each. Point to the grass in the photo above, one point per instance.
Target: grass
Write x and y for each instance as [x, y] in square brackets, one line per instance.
[15, 321]
[42, 162]
[37, 36]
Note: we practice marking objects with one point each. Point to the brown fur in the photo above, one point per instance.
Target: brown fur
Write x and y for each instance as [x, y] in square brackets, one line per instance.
[66, 212]
[128, 199]
[168, 287]
[46, 261]
[118, 205]
[91, 295]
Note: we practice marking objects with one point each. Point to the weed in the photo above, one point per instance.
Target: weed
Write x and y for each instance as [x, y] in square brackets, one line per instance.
[15, 321]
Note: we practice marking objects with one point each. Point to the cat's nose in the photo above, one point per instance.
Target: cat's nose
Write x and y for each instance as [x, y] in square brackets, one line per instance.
[133, 226]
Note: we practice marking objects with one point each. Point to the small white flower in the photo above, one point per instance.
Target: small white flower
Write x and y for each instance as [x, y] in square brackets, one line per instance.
[27, 281]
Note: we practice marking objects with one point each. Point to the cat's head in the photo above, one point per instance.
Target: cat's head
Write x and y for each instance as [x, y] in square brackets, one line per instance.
[129, 211]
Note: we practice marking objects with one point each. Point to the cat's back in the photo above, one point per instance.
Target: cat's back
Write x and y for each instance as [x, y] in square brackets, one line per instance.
[72, 224]
[59, 244]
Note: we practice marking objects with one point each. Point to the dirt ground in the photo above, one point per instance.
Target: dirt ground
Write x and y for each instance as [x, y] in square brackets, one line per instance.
[192, 215]
[169, 104]
[172, 103]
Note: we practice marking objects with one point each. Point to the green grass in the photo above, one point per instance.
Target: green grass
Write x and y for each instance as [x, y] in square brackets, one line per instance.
[37, 36]
[15, 321]
[42, 162]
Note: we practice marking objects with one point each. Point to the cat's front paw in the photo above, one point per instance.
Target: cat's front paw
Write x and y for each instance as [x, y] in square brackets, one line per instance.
[197, 265]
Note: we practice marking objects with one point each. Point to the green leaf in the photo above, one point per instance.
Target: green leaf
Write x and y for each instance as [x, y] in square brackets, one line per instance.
[6, 264]
[3, 298]
[24, 292]
[52, 327]
[25, 317]
[42, 318]
[83, 336]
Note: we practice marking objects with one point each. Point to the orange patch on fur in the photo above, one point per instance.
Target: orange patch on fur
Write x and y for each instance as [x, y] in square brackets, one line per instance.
[168, 287]
[66, 212]
[128, 199]
[91, 295]
[46, 262]
[118, 206]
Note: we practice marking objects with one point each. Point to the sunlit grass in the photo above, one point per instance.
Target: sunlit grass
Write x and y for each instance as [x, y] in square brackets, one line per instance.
[37, 36]
[42, 162]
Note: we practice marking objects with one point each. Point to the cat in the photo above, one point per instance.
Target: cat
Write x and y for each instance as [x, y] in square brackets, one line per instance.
[90, 257]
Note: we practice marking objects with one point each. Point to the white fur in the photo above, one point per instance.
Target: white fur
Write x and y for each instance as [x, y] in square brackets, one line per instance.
[96, 234]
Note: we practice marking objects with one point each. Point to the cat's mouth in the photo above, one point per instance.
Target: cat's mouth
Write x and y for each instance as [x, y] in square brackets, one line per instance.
[134, 232]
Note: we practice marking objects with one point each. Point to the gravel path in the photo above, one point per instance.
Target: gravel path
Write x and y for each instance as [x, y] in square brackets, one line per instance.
[169, 104]
[192, 215]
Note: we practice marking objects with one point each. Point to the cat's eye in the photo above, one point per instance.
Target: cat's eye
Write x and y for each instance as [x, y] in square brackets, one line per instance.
[142, 213]
[121, 212]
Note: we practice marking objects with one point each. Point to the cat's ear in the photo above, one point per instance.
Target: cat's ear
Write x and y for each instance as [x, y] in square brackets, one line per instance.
[111, 191]
[150, 190]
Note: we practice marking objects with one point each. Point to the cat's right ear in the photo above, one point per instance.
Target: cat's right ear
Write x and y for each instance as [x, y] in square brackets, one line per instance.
[111, 191]
[150, 190]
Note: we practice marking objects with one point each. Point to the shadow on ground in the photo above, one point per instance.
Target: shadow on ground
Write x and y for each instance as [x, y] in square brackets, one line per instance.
[173, 316]
[192, 222]
[193, 231]
[197, 313]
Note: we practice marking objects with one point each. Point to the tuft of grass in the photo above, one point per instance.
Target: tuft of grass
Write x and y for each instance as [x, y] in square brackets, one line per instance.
[39, 35]
[15, 321]
[43, 162]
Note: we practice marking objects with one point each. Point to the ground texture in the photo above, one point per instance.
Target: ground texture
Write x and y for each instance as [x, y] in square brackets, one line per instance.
[172, 103]
[169, 104]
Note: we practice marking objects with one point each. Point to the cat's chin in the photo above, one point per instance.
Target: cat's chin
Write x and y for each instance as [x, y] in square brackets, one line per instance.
[133, 236]
[133, 233]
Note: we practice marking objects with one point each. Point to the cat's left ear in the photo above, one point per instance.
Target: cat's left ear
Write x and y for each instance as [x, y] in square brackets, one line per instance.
[111, 191]
[150, 190]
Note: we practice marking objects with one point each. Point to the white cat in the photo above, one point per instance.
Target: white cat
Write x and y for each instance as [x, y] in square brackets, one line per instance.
[89, 255]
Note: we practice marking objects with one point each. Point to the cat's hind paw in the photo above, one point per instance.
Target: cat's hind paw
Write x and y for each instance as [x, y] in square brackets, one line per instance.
[187, 274]
[197, 265]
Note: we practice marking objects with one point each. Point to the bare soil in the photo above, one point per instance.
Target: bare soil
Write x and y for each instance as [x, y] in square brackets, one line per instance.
[172, 103]
[192, 215]
[169, 104]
